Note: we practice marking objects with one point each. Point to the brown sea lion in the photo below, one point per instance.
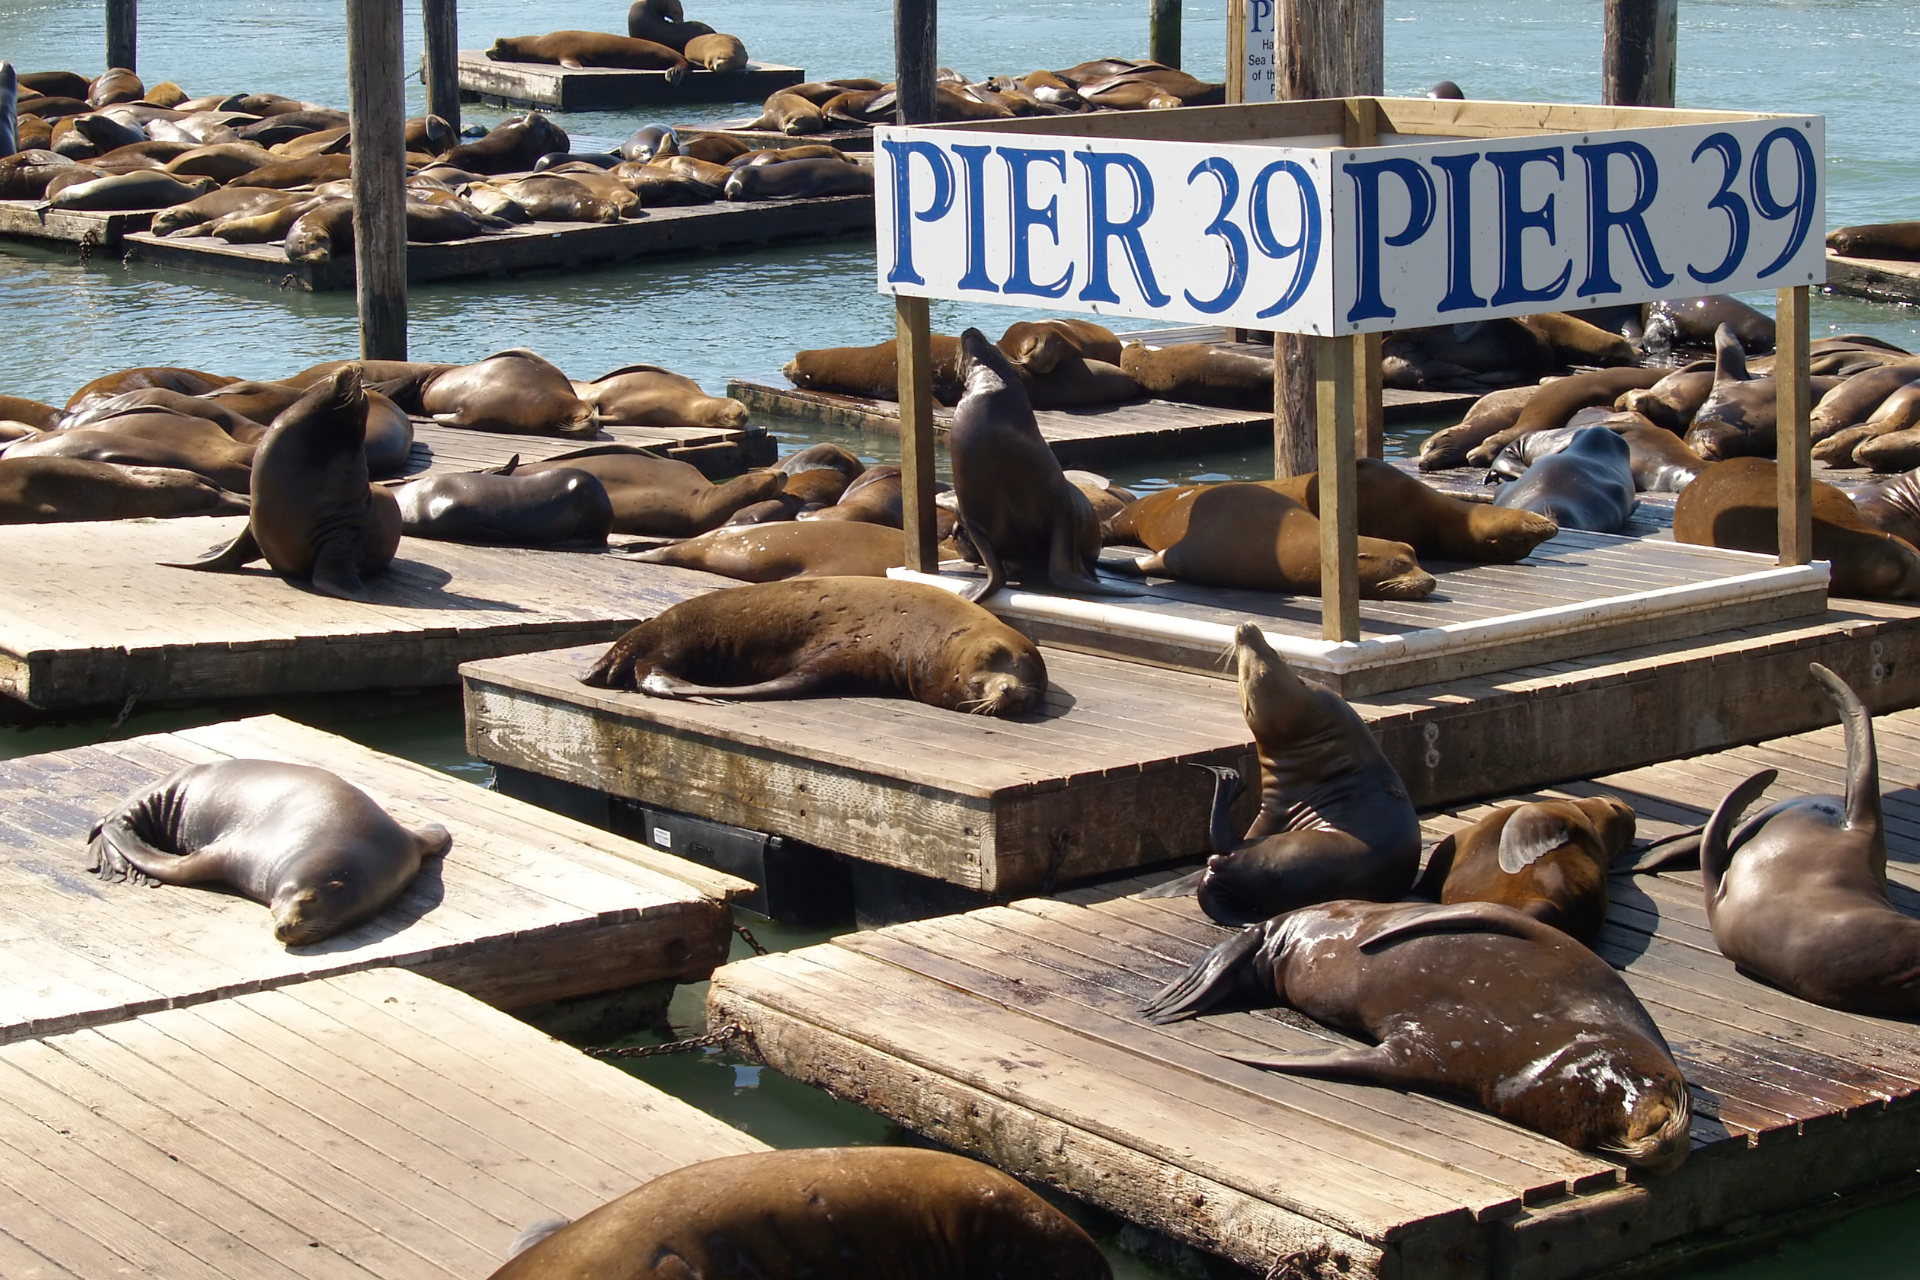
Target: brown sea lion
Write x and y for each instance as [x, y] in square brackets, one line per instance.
[1879, 442]
[799, 180]
[1587, 485]
[820, 636]
[1737, 419]
[791, 114]
[1671, 402]
[1893, 451]
[1397, 507]
[1798, 894]
[716, 148]
[1037, 345]
[55, 84]
[1548, 860]
[788, 549]
[41, 417]
[873, 371]
[875, 497]
[561, 507]
[116, 84]
[315, 516]
[1477, 355]
[717, 52]
[1335, 820]
[1552, 403]
[1575, 341]
[776, 155]
[192, 382]
[1251, 537]
[1733, 504]
[660, 189]
[577, 49]
[223, 162]
[1891, 505]
[197, 217]
[1855, 400]
[645, 395]
[663, 22]
[1075, 382]
[817, 456]
[286, 175]
[595, 179]
[662, 496]
[1898, 241]
[53, 490]
[152, 437]
[513, 391]
[1196, 373]
[1694, 322]
[509, 147]
[25, 176]
[1492, 413]
[240, 427]
[142, 189]
[1474, 1002]
[847, 1212]
[549, 197]
[316, 233]
[323, 142]
[305, 843]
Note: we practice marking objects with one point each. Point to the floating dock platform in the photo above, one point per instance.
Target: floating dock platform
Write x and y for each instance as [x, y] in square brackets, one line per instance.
[1876, 279]
[89, 618]
[556, 88]
[375, 1124]
[32, 220]
[718, 452]
[534, 246]
[1012, 1034]
[527, 908]
[847, 139]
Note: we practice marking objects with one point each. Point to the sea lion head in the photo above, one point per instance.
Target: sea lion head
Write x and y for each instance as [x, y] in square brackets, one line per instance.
[1002, 677]
[984, 368]
[1391, 571]
[1655, 1136]
[1272, 697]
[310, 912]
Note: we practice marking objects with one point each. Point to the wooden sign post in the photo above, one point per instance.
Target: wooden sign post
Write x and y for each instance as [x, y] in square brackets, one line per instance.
[440, 24]
[1793, 453]
[376, 107]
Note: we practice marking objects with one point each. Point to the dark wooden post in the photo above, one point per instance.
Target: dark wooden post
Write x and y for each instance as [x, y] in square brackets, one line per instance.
[1163, 31]
[915, 62]
[377, 110]
[1323, 49]
[1794, 473]
[440, 23]
[1637, 61]
[123, 27]
[9, 106]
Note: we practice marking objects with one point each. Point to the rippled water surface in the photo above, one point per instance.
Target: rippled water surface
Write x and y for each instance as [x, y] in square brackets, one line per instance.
[742, 315]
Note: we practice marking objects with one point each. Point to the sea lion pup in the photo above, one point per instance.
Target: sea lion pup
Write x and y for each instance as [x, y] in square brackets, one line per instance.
[513, 391]
[1898, 241]
[786, 549]
[1335, 820]
[1249, 536]
[645, 395]
[1474, 1002]
[563, 507]
[305, 843]
[56, 490]
[1023, 518]
[825, 636]
[314, 514]
[1798, 894]
[1491, 413]
[841, 1212]
[664, 496]
[1734, 504]
[1398, 508]
[1549, 860]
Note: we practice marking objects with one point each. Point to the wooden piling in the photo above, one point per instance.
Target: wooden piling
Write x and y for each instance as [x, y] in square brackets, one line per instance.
[1637, 60]
[1794, 470]
[1335, 361]
[9, 104]
[440, 23]
[123, 33]
[916, 58]
[377, 116]
[1163, 31]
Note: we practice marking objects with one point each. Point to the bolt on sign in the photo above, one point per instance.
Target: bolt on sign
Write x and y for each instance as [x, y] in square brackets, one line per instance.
[1258, 217]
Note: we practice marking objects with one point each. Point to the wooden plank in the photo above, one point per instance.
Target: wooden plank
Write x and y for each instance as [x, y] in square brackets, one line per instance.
[31, 220]
[1881, 280]
[531, 84]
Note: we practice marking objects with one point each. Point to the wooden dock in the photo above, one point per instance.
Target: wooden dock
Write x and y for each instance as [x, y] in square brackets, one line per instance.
[1876, 279]
[848, 139]
[1011, 1033]
[88, 618]
[534, 246]
[527, 908]
[371, 1125]
[716, 451]
[33, 220]
[534, 84]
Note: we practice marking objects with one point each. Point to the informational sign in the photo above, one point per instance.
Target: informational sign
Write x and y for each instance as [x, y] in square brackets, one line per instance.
[1336, 240]
[1257, 57]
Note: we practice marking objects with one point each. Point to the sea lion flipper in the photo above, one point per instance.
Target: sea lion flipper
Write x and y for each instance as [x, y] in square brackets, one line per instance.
[1675, 852]
[1462, 917]
[338, 577]
[1714, 857]
[1375, 1064]
[996, 573]
[1227, 786]
[1179, 887]
[1863, 761]
[433, 840]
[242, 551]
[1212, 979]
[798, 683]
[534, 1234]
[1439, 867]
[1729, 357]
[1530, 834]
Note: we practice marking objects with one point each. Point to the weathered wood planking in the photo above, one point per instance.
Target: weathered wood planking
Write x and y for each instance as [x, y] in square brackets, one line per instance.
[532, 84]
[33, 220]
[527, 907]
[1877, 279]
[531, 247]
[370, 1125]
[845, 139]
[1012, 1033]
[1004, 806]
[714, 450]
[88, 615]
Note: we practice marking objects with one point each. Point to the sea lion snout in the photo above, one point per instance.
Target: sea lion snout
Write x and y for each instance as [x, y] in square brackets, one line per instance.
[307, 914]
[1657, 1138]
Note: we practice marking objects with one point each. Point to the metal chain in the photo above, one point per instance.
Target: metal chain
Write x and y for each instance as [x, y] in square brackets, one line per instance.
[752, 941]
[711, 1040]
[88, 239]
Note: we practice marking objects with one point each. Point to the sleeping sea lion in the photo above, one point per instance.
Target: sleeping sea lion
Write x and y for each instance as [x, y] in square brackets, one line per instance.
[1737, 419]
[513, 391]
[1891, 505]
[1398, 508]
[663, 496]
[1587, 485]
[1036, 346]
[1491, 413]
[645, 395]
[717, 52]
[577, 49]
[562, 507]
[788, 549]
[55, 490]
[1548, 860]
[873, 371]
[663, 22]
[1196, 373]
[1555, 401]
[510, 147]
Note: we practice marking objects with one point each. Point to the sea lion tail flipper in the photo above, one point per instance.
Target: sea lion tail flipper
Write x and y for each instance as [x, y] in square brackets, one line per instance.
[1863, 760]
[121, 852]
[996, 572]
[1729, 357]
[1463, 917]
[433, 840]
[336, 571]
[1530, 834]
[1213, 978]
[1178, 887]
[798, 683]
[1439, 867]
[1675, 852]
[534, 1234]
[243, 550]
[1713, 837]
[1375, 1064]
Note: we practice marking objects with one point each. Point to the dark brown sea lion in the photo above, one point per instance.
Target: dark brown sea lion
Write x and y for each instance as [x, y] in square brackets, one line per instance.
[42, 417]
[240, 427]
[513, 391]
[223, 162]
[718, 53]
[305, 843]
[1893, 451]
[199, 216]
[716, 148]
[144, 189]
[788, 549]
[1196, 373]
[1575, 341]
[511, 147]
[561, 507]
[1587, 485]
[1075, 382]
[1335, 820]
[817, 456]
[1552, 403]
[660, 189]
[55, 84]
[25, 176]
[1548, 860]
[52, 490]
[876, 496]
[661, 496]
[1036, 346]
[847, 1212]
[1737, 419]
[316, 233]
[663, 22]
[1671, 402]
[1878, 442]
[1899, 241]
[224, 462]
[799, 180]
[791, 114]
[193, 382]
[594, 178]
[645, 395]
[873, 371]
[820, 636]
[1694, 322]
[1733, 504]
[1855, 400]
[116, 84]
[288, 125]
[286, 175]
[160, 153]
[106, 133]
[1478, 355]
[549, 197]
[1892, 505]
[1397, 507]
[1491, 413]
[1254, 538]
[1474, 1002]
[577, 49]
[1798, 895]
[315, 517]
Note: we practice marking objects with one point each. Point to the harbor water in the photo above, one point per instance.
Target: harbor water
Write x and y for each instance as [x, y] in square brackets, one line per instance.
[743, 314]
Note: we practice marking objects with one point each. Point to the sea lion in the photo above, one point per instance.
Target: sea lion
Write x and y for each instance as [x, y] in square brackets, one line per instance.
[817, 456]
[287, 175]
[594, 178]
[1696, 322]
[1254, 538]
[315, 516]
[199, 216]
[209, 453]
[799, 180]
[25, 176]
[223, 161]
[192, 382]
[430, 135]
[851, 1211]
[1548, 859]
[577, 49]
[561, 507]
[1196, 373]
[240, 427]
[717, 52]
[820, 636]
[1587, 485]
[1477, 355]
[54, 490]
[1575, 341]
[509, 147]
[645, 395]
[1491, 413]
[788, 549]
[649, 142]
[663, 22]
[1475, 1002]
[1733, 504]
[285, 126]
[1898, 241]
[1798, 895]
[143, 189]
[550, 197]
[1671, 402]
[1855, 400]
[1737, 419]
[305, 843]
[1552, 403]
[662, 496]
[873, 371]
[41, 417]
[1036, 346]
[1893, 451]
[1891, 505]
[54, 84]
[513, 391]
[876, 496]
[716, 148]
[791, 114]
[660, 189]
[1335, 820]
[1399, 508]
[115, 84]
[1882, 441]
[1022, 517]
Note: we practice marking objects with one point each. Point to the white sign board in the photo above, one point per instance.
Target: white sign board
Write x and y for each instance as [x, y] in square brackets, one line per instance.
[1257, 57]
[1336, 240]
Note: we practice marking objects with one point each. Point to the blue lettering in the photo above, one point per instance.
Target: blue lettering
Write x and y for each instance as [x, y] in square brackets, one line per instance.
[1367, 302]
[974, 161]
[1804, 196]
[1460, 294]
[941, 168]
[1728, 201]
[1101, 228]
[1258, 9]
[1026, 218]
[1602, 218]
[1222, 226]
[1515, 220]
[1306, 250]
